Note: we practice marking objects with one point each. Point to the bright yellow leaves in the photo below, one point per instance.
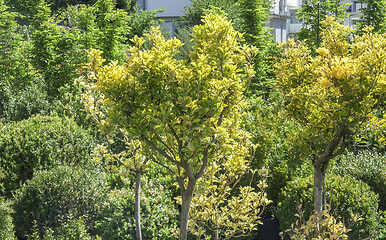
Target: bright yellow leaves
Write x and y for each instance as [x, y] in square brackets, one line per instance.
[338, 86]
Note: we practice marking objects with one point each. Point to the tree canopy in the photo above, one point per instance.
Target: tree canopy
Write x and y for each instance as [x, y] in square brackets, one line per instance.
[334, 93]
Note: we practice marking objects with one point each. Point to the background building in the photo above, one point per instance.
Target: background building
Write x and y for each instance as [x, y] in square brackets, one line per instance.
[283, 19]
[173, 10]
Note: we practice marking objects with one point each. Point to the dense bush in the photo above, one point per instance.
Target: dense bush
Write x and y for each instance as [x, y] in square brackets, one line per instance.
[72, 229]
[38, 143]
[347, 195]
[54, 197]
[6, 224]
[272, 136]
[158, 213]
[369, 167]
[23, 103]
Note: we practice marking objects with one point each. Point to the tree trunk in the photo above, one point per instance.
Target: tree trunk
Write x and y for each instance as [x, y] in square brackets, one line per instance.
[137, 208]
[187, 196]
[319, 187]
[216, 234]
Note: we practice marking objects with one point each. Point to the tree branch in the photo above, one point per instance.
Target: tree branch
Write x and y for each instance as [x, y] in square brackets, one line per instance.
[332, 145]
[160, 151]
[205, 160]
[163, 165]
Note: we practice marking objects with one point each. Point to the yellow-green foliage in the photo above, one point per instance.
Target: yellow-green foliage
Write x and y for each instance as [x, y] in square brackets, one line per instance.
[188, 112]
[215, 211]
[340, 86]
[194, 104]
[321, 226]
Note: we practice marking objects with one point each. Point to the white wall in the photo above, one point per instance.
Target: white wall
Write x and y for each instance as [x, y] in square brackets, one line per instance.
[172, 8]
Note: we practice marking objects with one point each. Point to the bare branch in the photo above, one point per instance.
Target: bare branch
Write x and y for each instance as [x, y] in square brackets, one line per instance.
[160, 151]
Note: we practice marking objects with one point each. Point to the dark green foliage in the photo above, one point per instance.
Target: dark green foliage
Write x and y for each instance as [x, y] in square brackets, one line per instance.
[195, 12]
[57, 50]
[39, 143]
[248, 16]
[347, 196]
[368, 167]
[374, 14]
[25, 6]
[55, 197]
[272, 134]
[71, 229]
[6, 224]
[25, 102]
[158, 212]
[58, 41]
[312, 13]
[16, 72]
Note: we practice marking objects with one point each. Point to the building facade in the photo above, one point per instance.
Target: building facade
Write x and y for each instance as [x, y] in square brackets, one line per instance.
[283, 20]
[172, 11]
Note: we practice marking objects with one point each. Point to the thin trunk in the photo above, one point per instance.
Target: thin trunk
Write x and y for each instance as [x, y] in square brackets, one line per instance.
[187, 196]
[138, 229]
[319, 187]
[216, 234]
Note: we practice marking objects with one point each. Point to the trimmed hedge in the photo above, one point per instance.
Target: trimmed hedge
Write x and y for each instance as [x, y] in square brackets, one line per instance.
[53, 198]
[368, 167]
[39, 143]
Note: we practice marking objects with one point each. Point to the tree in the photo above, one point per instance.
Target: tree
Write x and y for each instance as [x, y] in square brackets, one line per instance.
[374, 14]
[185, 111]
[312, 13]
[333, 94]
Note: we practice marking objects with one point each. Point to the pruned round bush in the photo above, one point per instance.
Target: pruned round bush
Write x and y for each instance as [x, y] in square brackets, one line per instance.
[369, 167]
[38, 143]
[52, 197]
[348, 196]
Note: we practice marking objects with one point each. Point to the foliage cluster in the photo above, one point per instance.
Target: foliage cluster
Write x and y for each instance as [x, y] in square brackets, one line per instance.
[368, 167]
[54, 197]
[6, 221]
[199, 110]
[249, 17]
[313, 13]
[40, 59]
[40, 143]
[346, 197]
[159, 215]
[319, 226]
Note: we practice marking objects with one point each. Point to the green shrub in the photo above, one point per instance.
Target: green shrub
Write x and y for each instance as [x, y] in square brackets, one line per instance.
[38, 143]
[23, 103]
[158, 213]
[6, 224]
[348, 196]
[319, 226]
[52, 197]
[272, 137]
[71, 229]
[369, 167]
